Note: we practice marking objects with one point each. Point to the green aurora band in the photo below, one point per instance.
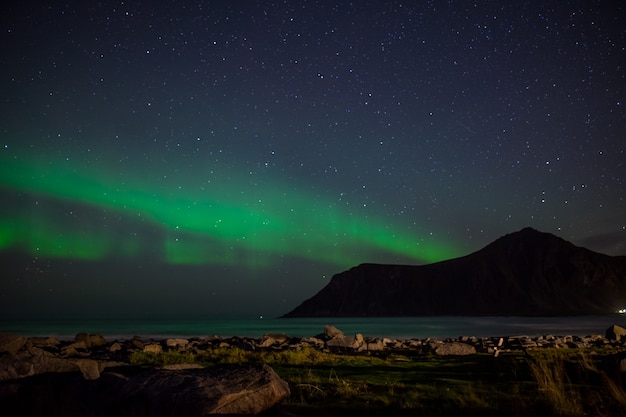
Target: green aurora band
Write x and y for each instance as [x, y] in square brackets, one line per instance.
[234, 221]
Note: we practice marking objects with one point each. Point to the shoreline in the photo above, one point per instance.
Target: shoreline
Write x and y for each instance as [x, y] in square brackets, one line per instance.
[436, 327]
[331, 339]
[91, 369]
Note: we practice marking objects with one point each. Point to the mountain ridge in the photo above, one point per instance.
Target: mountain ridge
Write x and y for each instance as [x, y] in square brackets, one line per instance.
[526, 273]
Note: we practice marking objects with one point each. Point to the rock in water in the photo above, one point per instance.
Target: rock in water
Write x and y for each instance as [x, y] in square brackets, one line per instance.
[224, 390]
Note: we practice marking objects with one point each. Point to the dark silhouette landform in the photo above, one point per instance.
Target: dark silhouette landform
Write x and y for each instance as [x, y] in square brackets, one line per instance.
[526, 273]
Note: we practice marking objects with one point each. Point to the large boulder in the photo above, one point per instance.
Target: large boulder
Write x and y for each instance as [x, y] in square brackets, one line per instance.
[615, 333]
[331, 332]
[345, 342]
[27, 364]
[36, 361]
[11, 343]
[241, 390]
[153, 348]
[224, 390]
[273, 340]
[90, 340]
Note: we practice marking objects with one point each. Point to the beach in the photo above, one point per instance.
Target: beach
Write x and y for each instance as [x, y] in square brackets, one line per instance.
[332, 372]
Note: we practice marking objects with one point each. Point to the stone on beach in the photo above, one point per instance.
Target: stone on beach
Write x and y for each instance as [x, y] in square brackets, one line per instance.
[11, 343]
[90, 340]
[344, 342]
[224, 390]
[615, 333]
[176, 343]
[454, 348]
[273, 340]
[331, 332]
[153, 348]
[130, 391]
[35, 361]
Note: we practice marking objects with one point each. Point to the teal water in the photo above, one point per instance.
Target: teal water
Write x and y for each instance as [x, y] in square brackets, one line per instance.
[403, 327]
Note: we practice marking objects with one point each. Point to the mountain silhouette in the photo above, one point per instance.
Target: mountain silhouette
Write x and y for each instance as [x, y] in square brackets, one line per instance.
[523, 273]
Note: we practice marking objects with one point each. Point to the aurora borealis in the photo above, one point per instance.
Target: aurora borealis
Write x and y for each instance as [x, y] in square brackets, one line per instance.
[235, 156]
[199, 225]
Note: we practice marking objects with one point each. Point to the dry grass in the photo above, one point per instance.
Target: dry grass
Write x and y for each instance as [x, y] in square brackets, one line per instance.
[555, 386]
[593, 392]
[566, 383]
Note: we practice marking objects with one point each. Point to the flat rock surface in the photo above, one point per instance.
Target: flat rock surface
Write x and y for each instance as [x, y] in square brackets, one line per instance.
[236, 389]
[242, 390]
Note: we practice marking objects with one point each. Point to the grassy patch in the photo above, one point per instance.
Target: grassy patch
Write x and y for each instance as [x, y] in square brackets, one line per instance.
[551, 383]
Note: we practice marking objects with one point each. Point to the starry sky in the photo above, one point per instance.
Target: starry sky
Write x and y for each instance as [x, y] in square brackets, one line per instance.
[227, 158]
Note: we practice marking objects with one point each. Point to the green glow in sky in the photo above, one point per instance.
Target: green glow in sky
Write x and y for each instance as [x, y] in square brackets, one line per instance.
[234, 220]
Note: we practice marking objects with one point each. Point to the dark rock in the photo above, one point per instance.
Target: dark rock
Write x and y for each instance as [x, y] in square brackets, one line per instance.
[153, 348]
[344, 342]
[11, 343]
[226, 390]
[454, 348]
[181, 366]
[176, 343]
[136, 343]
[14, 367]
[615, 333]
[273, 339]
[229, 390]
[312, 341]
[115, 347]
[97, 340]
[58, 395]
[45, 342]
[376, 345]
[615, 367]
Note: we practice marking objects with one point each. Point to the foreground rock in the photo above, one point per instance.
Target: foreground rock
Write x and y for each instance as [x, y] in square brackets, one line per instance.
[225, 390]
[243, 390]
[615, 333]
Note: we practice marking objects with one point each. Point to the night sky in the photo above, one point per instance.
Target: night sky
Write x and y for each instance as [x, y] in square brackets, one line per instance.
[227, 158]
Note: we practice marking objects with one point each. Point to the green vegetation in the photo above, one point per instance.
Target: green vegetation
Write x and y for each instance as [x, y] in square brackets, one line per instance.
[551, 382]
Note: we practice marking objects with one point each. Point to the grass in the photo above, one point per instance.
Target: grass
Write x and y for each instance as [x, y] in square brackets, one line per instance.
[553, 382]
[572, 384]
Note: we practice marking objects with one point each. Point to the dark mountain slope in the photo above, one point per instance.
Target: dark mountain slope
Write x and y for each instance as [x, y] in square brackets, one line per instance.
[523, 273]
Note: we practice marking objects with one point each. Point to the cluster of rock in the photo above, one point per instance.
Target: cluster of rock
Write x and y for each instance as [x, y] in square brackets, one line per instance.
[98, 372]
[88, 376]
[333, 340]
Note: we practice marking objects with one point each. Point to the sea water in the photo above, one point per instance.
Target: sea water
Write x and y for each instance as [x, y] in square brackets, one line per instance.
[396, 327]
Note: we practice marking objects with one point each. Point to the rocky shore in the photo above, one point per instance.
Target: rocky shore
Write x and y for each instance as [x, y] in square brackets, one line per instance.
[99, 374]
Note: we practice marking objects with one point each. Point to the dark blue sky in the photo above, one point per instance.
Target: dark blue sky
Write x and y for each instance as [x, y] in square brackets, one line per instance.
[230, 157]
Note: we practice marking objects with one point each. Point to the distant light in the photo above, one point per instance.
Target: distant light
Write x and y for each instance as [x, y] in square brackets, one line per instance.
[622, 311]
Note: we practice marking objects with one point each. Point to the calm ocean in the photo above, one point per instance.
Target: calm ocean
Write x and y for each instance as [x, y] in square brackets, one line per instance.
[403, 327]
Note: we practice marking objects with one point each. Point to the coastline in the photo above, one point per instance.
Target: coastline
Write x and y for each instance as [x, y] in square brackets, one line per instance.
[349, 373]
[440, 327]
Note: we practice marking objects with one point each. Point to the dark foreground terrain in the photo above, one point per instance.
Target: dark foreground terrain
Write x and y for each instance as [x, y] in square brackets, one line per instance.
[330, 374]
